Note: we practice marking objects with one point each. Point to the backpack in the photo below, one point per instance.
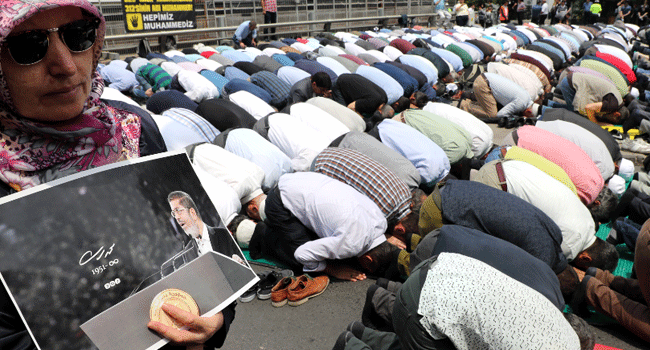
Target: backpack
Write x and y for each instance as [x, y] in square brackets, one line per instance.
[468, 77]
[144, 48]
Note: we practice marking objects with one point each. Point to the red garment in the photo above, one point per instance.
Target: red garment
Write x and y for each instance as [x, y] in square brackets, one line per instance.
[576, 163]
[503, 13]
[355, 59]
[402, 45]
[619, 64]
[301, 40]
[207, 54]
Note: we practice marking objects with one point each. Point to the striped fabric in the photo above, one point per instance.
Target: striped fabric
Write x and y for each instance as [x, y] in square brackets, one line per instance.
[538, 72]
[193, 121]
[156, 76]
[235, 73]
[578, 69]
[610, 71]
[283, 60]
[369, 177]
[270, 82]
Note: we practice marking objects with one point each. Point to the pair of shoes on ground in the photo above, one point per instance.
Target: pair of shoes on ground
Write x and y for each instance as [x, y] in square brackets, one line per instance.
[298, 290]
[637, 145]
[511, 122]
[262, 289]
[354, 330]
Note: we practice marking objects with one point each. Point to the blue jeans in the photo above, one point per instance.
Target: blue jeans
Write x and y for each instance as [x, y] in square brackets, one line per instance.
[627, 230]
[568, 92]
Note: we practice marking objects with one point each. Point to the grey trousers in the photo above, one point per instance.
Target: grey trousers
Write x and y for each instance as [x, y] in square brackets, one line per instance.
[409, 332]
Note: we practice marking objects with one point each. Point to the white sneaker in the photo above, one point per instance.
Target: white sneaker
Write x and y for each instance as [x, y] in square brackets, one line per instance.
[641, 141]
[635, 146]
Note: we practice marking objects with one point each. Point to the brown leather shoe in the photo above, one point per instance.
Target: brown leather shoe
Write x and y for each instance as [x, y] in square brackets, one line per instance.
[279, 292]
[305, 288]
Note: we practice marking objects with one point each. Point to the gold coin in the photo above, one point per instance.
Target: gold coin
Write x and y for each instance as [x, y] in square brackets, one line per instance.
[175, 297]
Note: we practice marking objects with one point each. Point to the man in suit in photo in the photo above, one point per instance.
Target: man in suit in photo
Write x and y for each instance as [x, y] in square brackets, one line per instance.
[203, 238]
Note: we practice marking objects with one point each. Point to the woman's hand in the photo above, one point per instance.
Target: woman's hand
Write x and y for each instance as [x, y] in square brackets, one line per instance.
[199, 329]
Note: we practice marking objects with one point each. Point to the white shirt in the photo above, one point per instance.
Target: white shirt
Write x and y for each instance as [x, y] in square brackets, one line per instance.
[543, 59]
[291, 75]
[116, 95]
[392, 52]
[252, 52]
[348, 223]
[480, 132]
[208, 64]
[176, 134]
[301, 47]
[544, 9]
[300, 142]
[382, 57]
[336, 49]
[422, 64]
[224, 198]
[532, 86]
[333, 64]
[319, 120]
[391, 87]
[354, 49]
[557, 201]
[241, 174]
[585, 139]
[248, 144]
[270, 51]
[351, 119]
[479, 308]
[171, 67]
[198, 88]
[137, 63]
[173, 53]
[203, 242]
[251, 104]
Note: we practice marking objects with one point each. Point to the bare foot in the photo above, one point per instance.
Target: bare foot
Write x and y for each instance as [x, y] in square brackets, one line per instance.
[344, 272]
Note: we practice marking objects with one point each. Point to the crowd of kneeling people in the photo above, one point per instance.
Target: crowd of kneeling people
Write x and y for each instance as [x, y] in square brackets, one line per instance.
[368, 153]
[349, 154]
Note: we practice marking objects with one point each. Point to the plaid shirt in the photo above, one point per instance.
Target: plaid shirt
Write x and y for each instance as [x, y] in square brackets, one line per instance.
[270, 6]
[270, 82]
[369, 177]
[193, 121]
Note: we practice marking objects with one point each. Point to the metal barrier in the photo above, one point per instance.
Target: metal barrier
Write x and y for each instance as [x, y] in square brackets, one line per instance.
[127, 43]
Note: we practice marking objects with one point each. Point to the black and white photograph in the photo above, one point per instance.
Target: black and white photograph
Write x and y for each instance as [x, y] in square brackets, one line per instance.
[118, 235]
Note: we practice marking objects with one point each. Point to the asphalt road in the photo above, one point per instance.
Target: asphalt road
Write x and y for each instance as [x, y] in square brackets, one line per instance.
[317, 323]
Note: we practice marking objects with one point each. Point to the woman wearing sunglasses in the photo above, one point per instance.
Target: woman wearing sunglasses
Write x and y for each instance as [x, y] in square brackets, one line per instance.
[53, 124]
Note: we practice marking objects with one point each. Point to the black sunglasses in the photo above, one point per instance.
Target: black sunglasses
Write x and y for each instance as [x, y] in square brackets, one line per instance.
[30, 47]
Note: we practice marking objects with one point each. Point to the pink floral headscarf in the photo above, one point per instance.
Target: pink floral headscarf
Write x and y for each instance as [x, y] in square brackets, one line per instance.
[32, 153]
